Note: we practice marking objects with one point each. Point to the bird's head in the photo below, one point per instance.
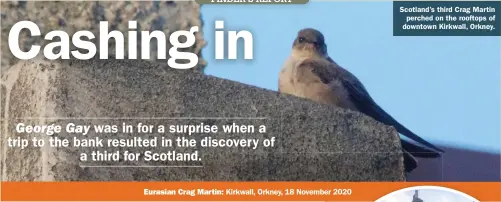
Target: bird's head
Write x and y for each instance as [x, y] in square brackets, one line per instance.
[310, 41]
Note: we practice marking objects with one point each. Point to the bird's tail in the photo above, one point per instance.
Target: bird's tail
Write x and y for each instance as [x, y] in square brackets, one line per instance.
[410, 163]
[419, 151]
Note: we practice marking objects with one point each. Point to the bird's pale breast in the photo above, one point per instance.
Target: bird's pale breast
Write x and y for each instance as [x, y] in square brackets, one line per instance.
[304, 83]
[286, 77]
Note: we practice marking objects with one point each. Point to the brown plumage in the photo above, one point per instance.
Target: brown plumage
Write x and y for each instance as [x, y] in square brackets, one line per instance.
[310, 73]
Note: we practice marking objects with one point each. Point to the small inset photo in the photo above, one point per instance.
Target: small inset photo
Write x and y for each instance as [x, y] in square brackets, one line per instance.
[427, 194]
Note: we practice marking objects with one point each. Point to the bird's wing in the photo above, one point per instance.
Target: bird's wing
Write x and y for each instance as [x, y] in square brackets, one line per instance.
[418, 151]
[320, 69]
[330, 60]
[410, 163]
[365, 104]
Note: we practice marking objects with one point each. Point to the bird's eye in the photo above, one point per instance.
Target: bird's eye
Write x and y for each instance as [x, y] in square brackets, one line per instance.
[301, 39]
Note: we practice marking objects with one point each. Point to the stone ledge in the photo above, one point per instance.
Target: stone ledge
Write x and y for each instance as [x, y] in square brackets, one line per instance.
[314, 142]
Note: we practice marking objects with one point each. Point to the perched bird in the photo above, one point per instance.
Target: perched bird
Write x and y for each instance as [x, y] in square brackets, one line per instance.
[310, 73]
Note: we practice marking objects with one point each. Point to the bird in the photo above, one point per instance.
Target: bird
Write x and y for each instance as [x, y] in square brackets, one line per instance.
[309, 72]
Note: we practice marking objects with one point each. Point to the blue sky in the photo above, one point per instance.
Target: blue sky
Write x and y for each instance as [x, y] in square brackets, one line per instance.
[435, 195]
[445, 89]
